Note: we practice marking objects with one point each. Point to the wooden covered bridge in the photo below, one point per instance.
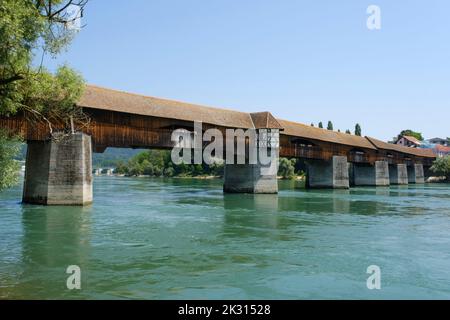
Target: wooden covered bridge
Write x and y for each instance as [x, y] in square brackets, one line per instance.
[60, 172]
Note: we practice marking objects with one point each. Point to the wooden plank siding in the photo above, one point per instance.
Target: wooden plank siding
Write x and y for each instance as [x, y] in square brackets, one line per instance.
[125, 130]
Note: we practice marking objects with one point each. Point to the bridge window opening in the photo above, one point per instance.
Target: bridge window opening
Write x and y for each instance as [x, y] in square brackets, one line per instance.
[358, 152]
[302, 143]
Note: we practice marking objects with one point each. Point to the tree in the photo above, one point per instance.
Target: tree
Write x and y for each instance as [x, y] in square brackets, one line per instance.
[217, 169]
[158, 171]
[286, 169]
[348, 131]
[198, 170]
[158, 163]
[410, 133]
[121, 168]
[330, 126]
[358, 130]
[28, 27]
[135, 167]
[441, 167]
[320, 125]
[312, 124]
[147, 167]
[9, 168]
[169, 172]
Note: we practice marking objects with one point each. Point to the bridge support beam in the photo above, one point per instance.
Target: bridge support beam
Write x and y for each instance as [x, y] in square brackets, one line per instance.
[398, 174]
[59, 172]
[416, 173]
[371, 175]
[328, 174]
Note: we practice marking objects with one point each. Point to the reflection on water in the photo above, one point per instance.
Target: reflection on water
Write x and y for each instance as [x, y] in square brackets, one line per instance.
[183, 238]
[52, 239]
[250, 215]
[48, 230]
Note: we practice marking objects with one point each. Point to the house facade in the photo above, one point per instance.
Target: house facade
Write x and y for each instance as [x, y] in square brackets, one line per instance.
[441, 151]
[408, 141]
[440, 147]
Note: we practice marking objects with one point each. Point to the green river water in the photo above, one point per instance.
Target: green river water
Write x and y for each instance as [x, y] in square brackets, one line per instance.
[184, 239]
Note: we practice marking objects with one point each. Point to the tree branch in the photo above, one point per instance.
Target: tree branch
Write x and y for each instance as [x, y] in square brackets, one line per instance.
[51, 15]
[58, 15]
[11, 79]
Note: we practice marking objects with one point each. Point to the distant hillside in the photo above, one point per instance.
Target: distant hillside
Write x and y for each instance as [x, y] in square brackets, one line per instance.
[112, 156]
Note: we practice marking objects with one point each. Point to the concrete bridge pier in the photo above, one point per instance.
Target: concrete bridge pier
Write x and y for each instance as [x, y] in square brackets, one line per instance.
[258, 173]
[252, 178]
[332, 174]
[59, 171]
[371, 175]
[249, 178]
[416, 173]
[398, 174]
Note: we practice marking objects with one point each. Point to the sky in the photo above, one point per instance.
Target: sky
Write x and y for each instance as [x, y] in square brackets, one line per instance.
[304, 61]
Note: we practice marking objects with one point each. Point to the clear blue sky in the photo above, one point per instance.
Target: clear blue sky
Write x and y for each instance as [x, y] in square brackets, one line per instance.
[306, 61]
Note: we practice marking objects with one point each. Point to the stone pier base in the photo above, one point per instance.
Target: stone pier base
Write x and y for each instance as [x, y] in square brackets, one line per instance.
[328, 174]
[371, 175]
[398, 174]
[59, 172]
[416, 174]
[250, 178]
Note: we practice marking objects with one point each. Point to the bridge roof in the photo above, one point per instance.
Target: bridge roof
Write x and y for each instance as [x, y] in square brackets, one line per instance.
[309, 132]
[119, 101]
[265, 120]
[428, 153]
[113, 100]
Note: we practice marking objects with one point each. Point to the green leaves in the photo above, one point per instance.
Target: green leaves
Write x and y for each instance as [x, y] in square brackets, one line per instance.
[411, 133]
[9, 168]
[286, 168]
[158, 163]
[330, 126]
[358, 130]
[441, 167]
[20, 28]
[27, 27]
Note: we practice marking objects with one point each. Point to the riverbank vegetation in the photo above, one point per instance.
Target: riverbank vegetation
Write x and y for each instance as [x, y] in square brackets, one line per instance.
[158, 163]
[441, 167]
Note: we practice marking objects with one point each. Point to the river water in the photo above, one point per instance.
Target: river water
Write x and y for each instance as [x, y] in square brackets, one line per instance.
[184, 239]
